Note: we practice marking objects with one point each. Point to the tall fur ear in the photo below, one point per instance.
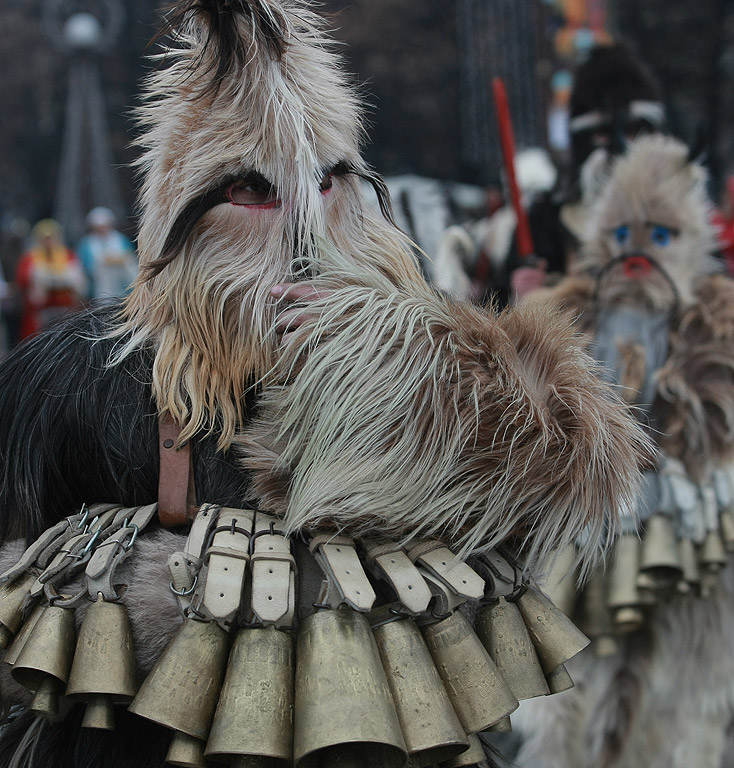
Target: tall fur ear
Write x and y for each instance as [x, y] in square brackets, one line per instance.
[226, 46]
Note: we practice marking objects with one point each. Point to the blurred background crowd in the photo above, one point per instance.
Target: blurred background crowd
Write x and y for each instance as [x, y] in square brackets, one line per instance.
[581, 76]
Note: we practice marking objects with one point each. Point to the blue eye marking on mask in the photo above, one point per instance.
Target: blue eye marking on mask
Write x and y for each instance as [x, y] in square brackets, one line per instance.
[622, 233]
[660, 235]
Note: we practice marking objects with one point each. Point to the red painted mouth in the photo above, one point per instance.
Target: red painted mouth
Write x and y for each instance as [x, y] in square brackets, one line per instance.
[637, 267]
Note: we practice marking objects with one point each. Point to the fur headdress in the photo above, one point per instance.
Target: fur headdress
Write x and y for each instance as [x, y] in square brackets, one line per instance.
[251, 164]
[655, 205]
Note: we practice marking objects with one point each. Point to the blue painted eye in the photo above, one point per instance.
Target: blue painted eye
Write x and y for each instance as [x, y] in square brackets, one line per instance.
[621, 234]
[660, 235]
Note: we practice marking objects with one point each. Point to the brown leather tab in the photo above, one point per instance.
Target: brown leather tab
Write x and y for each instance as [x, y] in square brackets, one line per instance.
[176, 494]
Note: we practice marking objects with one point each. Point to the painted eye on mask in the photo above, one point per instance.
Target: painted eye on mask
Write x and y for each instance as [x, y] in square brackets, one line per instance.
[621, 234]
[255, 191]
[660, 235]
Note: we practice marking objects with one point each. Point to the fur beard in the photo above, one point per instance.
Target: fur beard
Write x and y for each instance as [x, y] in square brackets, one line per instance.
[407, 414]
[665, 701]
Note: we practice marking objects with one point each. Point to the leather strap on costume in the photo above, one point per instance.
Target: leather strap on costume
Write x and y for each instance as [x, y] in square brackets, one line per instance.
[176, 492]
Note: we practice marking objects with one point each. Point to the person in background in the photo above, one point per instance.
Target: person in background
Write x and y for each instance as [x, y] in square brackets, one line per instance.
[108, 257]
[49, 277]
[615, 99]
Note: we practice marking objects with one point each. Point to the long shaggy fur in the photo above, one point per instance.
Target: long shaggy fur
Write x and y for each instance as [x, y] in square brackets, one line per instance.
[417, 416]
[202, 298]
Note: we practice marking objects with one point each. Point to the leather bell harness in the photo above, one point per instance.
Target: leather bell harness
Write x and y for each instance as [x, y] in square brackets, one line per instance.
[176, 491]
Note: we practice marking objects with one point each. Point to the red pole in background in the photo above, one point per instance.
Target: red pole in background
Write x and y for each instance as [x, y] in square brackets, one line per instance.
[525, 248]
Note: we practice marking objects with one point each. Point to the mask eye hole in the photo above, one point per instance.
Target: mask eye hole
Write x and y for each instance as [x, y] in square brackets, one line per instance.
[327, 182]
[252, 191]
[660, 235]
[621, 234]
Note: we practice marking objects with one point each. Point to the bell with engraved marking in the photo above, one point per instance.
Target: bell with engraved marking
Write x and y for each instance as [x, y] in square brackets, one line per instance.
[182, 689]
[555, 637]
[254, 716]
[431, 729]
[12, 597]
[343, 707]
[24, 633]
[44, 662]
[479, 694]
[103, 672]
[659, 558]
[503, 633]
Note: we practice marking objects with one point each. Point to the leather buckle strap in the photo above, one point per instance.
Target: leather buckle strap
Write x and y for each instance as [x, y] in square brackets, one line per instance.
[176, 492]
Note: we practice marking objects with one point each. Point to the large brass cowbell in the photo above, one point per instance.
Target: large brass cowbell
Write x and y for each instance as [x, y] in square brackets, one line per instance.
[181, 690]
[343, 706]
[103, 672]
[431, 729]
[503, 633]
[556, 638]
[254, 716]
[44, 662]
[478, 693]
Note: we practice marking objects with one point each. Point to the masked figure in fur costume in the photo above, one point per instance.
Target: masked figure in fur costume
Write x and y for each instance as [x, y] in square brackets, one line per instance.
[391, 413]
[655, 686]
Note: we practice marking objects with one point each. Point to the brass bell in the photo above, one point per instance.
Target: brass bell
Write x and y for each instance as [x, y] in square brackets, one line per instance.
[595, 617]
[659, 558]
[475, 754]
[103, 672]
[431, 729]
[623, 592]
[726, 523]
[186, 751]
[254, 715]
[181, 690]
[713, 553]
[622, 579]
[559, 680]
[503, 726]
[478, 692]
[560, 582]
[556, 638]
[503, 633]
[689, 562]
[44, 662]
[24, 633]
[12, 597]
[343, 707]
